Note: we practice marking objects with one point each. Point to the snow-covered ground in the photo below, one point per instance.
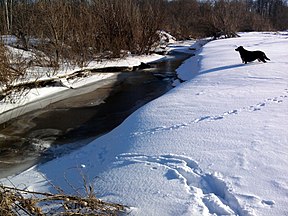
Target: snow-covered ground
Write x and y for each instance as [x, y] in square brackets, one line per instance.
[214, 145]
[38, 98]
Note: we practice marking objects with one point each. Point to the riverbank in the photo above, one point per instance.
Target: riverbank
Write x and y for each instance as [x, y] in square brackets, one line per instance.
[215, 145]
[79, 114]
[37, 98]
[28, 100]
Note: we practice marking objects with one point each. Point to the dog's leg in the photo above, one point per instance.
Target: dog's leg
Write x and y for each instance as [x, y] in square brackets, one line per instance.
[262, 59]
[265, 57]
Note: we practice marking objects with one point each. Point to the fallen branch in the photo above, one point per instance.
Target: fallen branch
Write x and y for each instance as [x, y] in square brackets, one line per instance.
[57, 81]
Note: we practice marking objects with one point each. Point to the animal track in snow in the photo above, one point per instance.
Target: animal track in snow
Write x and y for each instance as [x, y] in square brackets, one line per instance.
[207, 191]
[259, 106]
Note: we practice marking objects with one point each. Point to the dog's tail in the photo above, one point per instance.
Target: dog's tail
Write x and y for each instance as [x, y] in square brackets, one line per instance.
[265, 57]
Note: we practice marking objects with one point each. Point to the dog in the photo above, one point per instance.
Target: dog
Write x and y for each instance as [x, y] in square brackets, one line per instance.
[249, 56]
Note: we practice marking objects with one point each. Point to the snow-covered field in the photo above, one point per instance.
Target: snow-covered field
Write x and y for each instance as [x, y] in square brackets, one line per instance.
[214, 145]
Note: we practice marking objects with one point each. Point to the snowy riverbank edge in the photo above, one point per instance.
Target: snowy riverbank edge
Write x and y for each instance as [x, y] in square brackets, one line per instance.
[216, 144]
[38, 98]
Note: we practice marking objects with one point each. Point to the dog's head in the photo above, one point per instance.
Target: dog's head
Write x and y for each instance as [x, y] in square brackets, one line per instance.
[239, 48]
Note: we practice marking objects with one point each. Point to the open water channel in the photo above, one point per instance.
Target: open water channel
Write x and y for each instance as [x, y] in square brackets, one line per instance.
[68, 124]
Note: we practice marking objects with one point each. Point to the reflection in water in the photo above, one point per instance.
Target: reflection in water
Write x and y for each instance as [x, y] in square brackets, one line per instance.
[75, 121]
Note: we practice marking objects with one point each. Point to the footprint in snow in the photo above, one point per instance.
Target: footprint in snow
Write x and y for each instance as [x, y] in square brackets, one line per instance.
[257, 201]
[252, 108]
[268, 202]
[208, 191]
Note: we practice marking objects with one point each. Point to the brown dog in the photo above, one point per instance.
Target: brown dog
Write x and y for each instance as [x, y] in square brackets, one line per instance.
[249, 56]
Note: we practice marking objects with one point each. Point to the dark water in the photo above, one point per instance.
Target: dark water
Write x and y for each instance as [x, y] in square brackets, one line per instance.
[68, 124]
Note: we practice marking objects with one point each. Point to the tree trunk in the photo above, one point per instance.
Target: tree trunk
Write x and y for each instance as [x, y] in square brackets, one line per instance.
[7, 16]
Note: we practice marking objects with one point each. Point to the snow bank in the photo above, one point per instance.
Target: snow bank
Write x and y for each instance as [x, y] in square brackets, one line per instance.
[215, 145]
[38, 98]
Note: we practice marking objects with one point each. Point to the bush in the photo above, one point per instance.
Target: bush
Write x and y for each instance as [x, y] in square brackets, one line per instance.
[80, 31]
[8, 73]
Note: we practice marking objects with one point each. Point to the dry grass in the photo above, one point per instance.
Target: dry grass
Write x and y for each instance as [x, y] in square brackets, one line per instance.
[15, 202]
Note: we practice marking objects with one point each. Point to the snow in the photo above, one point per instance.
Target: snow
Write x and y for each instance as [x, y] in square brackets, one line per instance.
[38, 98]
[214, 145]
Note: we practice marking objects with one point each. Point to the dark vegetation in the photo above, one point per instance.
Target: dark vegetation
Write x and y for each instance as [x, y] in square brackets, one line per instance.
[78, 31]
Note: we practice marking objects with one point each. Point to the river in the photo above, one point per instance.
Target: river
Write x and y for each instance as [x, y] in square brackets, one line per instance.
[66, 125]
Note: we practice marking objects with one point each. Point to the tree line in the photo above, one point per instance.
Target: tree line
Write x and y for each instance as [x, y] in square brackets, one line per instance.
[81, 30]
[192, 18]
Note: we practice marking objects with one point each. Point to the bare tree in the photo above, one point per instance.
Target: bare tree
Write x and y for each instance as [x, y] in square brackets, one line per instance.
[79, 31]
[7, 14]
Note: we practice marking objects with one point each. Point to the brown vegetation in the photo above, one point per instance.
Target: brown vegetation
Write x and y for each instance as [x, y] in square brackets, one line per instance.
[11, 67]
[192, 18]
[14, 202]
[5, 75]
[79, 31]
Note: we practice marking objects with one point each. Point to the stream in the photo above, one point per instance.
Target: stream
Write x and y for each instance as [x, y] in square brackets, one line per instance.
[66, 125]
